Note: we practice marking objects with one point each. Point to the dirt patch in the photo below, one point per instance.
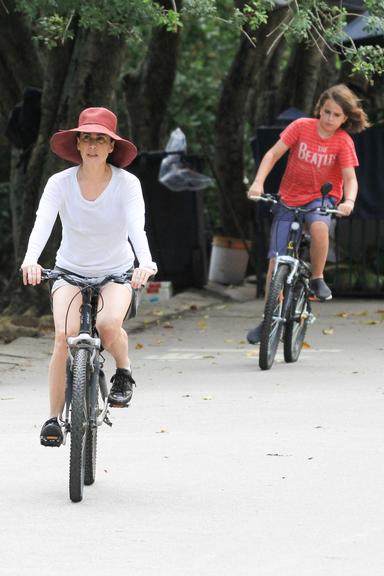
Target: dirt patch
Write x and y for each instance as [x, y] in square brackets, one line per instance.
[12, 327]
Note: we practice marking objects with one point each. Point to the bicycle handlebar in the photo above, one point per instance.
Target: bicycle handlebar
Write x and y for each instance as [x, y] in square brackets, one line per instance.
[273, 200]
[48, 274]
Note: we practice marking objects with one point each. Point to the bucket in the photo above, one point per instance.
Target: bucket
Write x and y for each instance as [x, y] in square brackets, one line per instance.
[229, 260]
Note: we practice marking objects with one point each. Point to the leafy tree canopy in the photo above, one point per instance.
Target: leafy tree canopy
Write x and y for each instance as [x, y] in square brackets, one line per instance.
[317, 22]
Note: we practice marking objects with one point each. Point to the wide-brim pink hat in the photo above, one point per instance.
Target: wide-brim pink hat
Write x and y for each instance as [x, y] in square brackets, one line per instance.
[101, 121]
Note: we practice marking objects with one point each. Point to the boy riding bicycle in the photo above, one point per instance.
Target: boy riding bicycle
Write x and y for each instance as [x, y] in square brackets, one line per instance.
[320, 150]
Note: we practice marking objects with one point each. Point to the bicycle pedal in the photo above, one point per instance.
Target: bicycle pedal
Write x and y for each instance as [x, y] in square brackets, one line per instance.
[115, 405]
[51, 442]
[107, 421]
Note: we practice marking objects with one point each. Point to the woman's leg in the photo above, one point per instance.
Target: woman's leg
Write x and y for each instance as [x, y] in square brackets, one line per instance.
[67, 323]
[114, 303]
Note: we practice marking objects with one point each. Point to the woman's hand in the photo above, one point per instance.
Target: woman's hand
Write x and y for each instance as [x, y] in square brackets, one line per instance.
[141, 276]
[31, 274]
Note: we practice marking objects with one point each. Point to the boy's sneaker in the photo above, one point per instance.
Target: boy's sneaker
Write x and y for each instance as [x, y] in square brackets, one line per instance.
[51, 433]
[122, 388]
[320, 289]
[254, 335]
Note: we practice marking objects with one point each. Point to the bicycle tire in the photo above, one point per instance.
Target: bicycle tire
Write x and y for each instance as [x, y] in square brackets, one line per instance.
[79, 421]
[297, 324]
[91, 448]
[272, 323]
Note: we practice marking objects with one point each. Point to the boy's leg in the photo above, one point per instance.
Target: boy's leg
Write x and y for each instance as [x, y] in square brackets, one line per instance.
[319, 247]
[319, 231]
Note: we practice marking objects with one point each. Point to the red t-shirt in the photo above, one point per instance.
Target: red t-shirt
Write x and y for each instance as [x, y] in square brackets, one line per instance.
[313, 161]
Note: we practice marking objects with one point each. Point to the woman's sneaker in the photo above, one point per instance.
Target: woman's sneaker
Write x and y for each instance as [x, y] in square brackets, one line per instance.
[122, 388]
[51, 433]
[254, 335]
[320, 289]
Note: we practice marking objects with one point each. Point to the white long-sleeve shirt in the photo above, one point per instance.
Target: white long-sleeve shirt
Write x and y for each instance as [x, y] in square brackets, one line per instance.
[94, 233]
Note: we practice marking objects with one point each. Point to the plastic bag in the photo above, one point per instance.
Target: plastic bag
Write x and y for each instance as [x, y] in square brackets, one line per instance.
[174, 172]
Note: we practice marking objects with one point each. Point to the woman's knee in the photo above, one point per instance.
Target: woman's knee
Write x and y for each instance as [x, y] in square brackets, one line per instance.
[109, 331]
[60, 341]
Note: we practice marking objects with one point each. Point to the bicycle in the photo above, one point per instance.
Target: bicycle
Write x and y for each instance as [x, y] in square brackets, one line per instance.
[287, 311]
[86, 394]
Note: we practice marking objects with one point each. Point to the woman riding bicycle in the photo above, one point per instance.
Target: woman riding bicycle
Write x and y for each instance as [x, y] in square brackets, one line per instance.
[100, 206]
[320, 150]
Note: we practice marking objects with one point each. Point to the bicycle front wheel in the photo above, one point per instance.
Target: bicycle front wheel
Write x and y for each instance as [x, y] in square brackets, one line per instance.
[91, 440]
[297, 324]
[273, 319]
[79, 424]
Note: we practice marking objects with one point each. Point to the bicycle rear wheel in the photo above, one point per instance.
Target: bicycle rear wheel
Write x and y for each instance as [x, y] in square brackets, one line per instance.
[273, 318]
[297, 324]
[79, 424]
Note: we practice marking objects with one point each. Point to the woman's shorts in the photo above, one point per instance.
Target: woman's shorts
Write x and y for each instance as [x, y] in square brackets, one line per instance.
[135, 299]
[282, 219]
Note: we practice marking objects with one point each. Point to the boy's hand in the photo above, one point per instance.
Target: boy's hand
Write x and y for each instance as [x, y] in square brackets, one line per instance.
[255, 190]
[346, 207]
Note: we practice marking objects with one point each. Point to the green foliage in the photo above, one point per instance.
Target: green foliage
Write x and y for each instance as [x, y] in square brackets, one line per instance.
[366, 60]
[200, 8]
[53, 30]
[206, 52]
[115, 17]
[256, 12]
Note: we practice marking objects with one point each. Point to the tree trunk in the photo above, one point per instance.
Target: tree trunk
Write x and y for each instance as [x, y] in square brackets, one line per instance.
[229, 129]
[148, 91]
[302, 78]
[19, 63]
[76, 75]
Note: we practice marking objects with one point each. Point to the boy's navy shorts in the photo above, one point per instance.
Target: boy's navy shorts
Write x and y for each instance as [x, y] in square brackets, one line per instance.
[282, 219]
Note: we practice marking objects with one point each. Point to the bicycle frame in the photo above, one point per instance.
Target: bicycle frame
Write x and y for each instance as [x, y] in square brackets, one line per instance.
[87, 340]
[287, 306]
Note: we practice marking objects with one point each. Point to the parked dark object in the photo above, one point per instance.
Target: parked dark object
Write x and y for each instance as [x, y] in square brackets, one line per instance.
[24, 122]
[174, 223]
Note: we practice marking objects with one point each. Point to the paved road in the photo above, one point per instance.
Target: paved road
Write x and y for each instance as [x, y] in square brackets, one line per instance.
[217, 468]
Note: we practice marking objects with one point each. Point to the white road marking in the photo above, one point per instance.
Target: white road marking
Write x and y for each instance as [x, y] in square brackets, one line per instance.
[175, 354]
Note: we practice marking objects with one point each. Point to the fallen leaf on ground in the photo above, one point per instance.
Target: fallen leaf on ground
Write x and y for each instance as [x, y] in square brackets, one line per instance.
[306, 344]
[210, 357]
[328, 331]
[202, 324]
[343, 314]
[207, 398]
[370, 322]
[161, 431]
[193, 307]
[139, 346]
[167, 325]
